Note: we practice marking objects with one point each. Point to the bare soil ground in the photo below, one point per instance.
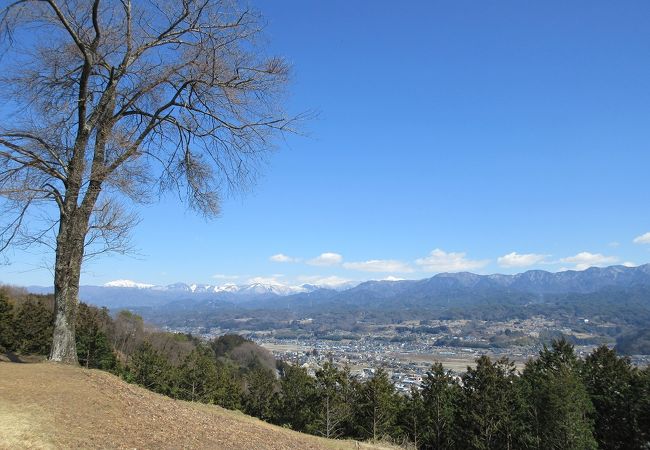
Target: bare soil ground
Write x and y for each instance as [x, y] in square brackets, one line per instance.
[45, 405]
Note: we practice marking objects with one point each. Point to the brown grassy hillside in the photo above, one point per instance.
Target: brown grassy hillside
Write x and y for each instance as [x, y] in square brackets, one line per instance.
[51, 406]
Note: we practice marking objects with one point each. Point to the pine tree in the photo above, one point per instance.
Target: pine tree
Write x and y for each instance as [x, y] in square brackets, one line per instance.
[334, 402]
[6, 324]
[197, 377]
[376, 407]
[411, 418]
[641, 391]
[93, 347]
[298, 402]
[491, 408]
[560, 408]
[150, 369]
[229, 387]
[609, 381]
[33, 325]
[440, 396]
[260, 397]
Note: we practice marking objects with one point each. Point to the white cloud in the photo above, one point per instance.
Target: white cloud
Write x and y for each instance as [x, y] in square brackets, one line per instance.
[515, 259]
[629, 264]
[222, 276]
[379, 265]
[326, 259]
[643, 239]
[441, 261]
[584, 260]
[265, 280]
[323, 281]
[282, 258]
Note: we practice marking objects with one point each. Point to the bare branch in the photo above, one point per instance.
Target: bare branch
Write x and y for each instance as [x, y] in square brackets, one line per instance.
[68, 27]
[109, 230]
[173, 93]
[9, 232]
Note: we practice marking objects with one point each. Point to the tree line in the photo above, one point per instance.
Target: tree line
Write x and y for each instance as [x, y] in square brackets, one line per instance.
[558, 401]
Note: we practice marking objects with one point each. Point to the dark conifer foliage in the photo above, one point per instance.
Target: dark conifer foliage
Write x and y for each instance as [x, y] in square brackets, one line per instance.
[298, 402]
[559, 404]
[441, 397]
[333, 411]
[490, 406]
[33, 326]
[6, 323]
[197, 377]
[611, 381]
[375, 408]
[261, 394]
[149, 368]
[641, 392]
[94, 350]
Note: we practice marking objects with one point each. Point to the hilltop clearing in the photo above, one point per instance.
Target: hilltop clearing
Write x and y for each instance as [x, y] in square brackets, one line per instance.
[50, 406]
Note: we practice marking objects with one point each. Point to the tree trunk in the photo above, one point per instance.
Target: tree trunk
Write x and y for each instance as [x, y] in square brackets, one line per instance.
[64, 347]
[67, 271]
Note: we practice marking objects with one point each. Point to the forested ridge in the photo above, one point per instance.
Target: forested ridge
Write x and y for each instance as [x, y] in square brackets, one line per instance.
[558, 401]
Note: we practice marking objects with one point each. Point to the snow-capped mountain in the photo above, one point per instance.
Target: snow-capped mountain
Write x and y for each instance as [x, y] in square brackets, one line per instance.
[128, 284]
[245, 289]
[129, 293]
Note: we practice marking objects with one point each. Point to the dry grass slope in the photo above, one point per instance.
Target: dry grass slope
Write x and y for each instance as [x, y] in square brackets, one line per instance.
[52, 406]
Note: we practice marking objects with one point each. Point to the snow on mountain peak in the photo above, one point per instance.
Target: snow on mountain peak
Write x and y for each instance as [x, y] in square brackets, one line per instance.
[128, 284]
[255, 288]
[228, 287]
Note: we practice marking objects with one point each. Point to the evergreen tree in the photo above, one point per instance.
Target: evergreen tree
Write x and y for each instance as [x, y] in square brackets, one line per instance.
[298, 401]
[229, 387]
[560, 408]
[349, 388]
[150, 369]
[610, 383]
[197, 377]
[6, 324]
[334, 402]
[93, 347]
[33, 325]
[641, 391]
[260, 397]
[201, 378]
[491, 408]
[440, 396]
[376, 407]
[411, 418]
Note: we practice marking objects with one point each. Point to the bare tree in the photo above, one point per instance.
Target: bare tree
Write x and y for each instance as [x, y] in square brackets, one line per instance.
[111, 101]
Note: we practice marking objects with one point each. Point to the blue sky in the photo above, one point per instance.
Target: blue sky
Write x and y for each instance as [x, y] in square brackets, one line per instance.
[484, 136]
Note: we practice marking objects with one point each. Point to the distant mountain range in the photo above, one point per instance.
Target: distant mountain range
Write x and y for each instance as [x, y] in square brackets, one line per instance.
[532, 281]
[246, 289]
[449, 288]
[127, 293]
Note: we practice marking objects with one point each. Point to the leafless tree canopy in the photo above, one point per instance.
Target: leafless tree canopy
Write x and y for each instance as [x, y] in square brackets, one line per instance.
[118, 96]
[106, 100]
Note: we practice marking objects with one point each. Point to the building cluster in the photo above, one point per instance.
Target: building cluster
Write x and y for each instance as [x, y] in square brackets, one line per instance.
[408, 349]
